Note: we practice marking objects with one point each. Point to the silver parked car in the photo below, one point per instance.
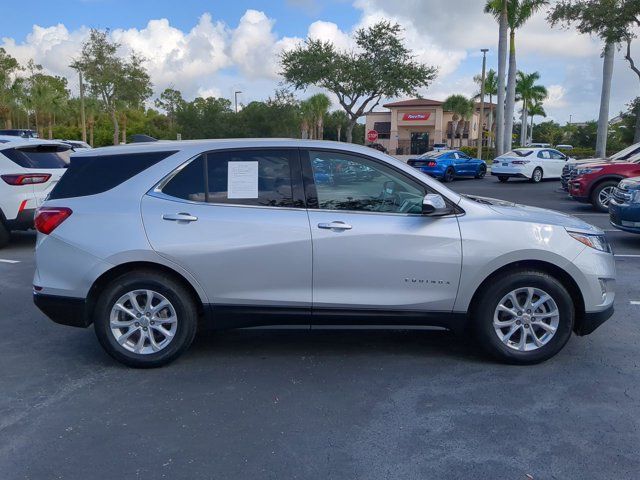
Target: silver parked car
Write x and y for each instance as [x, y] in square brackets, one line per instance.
[150, 241]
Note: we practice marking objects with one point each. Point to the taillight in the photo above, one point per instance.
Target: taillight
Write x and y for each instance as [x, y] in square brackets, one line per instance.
[431, 164]
[26, 179]
[520, 162]
[49, 218]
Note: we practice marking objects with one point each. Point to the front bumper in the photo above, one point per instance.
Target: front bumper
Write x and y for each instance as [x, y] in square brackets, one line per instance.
[63, 310]
[592, 320]
[621, 214]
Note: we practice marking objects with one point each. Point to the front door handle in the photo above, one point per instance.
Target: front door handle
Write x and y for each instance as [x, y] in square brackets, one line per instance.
[179, 217]
[335, 226]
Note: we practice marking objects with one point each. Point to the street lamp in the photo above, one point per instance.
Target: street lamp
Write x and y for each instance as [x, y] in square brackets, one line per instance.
[484, 71]
[235, 94]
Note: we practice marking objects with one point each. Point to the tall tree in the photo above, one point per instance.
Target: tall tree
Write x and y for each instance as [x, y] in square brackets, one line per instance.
[605, 19]
[535, 110]
[170, 100]
[113, 79]
[8, 67]
[529, 92]
[503, 30]
[518, 12]
[381, 67]
[337, 122]
[319, 104]
[491, 89]
[462, 109]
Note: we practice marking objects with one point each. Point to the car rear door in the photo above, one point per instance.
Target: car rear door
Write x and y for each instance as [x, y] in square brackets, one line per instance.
[557, 161]
[241, 229]
[372, 247]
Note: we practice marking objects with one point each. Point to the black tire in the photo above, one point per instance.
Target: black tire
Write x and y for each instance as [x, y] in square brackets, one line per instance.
[180, 298]
[595, 195]
[503, 179]
[536, 177]
[489, 300]
[481, 172]
[5, 235]
[449, 175]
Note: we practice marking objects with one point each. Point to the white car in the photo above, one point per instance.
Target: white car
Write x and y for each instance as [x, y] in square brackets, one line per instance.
[29, 168]
[531, 163]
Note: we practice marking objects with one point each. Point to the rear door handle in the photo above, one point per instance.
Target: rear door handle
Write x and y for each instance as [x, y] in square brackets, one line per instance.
[335, 226]
[179, 217]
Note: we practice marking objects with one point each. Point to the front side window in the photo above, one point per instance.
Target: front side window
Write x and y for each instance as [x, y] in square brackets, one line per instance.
[240, 177]
[349, 182]
[556, 155]
[544, 154]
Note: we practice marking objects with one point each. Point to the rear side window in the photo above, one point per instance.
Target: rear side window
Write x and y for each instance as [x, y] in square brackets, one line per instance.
[40, 156]
[240, 177]
[89, 175]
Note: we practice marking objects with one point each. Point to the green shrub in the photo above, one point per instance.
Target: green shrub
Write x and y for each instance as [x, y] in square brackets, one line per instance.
[488, 154]
[580, 152]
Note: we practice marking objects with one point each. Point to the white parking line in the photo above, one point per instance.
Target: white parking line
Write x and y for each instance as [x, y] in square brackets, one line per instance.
[627, 256]
[634, 302]
[2, 260]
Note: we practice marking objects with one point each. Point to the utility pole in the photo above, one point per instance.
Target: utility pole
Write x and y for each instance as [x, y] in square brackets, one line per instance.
[236, 97]
[82, 115]
[484, 72]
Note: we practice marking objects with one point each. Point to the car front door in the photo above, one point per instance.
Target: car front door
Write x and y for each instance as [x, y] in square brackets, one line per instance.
[558, 160]
[241, 229]
[372, 247]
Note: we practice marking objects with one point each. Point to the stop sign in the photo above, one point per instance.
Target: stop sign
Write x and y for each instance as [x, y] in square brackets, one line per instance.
[372, 136]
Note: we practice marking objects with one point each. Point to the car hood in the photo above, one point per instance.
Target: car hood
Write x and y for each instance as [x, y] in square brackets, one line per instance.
[525, 213]
[587, 160]
[631, 183]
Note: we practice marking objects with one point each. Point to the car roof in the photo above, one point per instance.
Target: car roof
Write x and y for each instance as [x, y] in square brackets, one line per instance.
[20, 142]
[204, 145]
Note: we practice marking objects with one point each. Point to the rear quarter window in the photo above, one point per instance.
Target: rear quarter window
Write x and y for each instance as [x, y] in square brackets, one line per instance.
[40, 156]
[90, 175]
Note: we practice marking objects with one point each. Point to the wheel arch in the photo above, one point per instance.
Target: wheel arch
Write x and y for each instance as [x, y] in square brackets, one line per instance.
[558, 273]
[606, 178]
[108, 276]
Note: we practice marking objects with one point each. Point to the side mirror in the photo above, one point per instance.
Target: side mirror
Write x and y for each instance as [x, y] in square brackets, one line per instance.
[434, 205]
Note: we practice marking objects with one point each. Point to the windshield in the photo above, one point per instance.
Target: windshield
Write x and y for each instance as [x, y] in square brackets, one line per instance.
[518, 153]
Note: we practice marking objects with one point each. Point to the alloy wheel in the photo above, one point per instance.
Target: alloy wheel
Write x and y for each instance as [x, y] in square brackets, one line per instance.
[604, 197]
[143, 321]
[537, 175]
[526, 319]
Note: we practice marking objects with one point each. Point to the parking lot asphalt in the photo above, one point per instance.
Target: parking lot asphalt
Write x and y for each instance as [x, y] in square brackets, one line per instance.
[325, 404]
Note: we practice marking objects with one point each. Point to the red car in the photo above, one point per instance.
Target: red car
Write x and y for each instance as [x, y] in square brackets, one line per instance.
[594, 182]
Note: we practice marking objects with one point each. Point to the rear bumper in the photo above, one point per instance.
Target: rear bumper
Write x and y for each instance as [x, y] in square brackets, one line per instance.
[593, 320]
[510, 175]
[63, 310]
[24, 220]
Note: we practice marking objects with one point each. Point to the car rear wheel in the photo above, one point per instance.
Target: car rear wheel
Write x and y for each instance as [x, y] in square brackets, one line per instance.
[482, 171]
[145, 319]
[503, 179]
[525, 317]
[449, 175]
[601, 195]
[536, 176]
[5, 235]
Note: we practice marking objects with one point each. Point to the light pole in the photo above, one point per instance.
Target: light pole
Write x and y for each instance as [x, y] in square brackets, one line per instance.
[484, 71]
[235, 94]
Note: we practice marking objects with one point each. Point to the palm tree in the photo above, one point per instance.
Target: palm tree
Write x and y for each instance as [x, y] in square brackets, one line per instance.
[319, 104]
[491, 89]
[306, 119]
[518, 12]
[503, 21]
[529, 93]
[340, 120]
[535, 110]
[462, 109]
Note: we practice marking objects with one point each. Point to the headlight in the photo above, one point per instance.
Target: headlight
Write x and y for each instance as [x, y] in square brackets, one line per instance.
[599, 242]
[635, 196]
[587, 171]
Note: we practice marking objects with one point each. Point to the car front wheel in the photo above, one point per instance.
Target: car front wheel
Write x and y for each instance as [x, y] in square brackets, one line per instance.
[602, 194]
[145, 319]
[482, 171]
[525, 317]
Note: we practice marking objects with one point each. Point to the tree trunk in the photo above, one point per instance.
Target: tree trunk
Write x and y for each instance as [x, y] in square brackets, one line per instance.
[35, 114]
[523, 128]
[91, 134]
[349, 130]
[511, 94]
[116, 128]
[124, 129]
[603, 118]
[531, 131]
[502, 64]
[320, 129]
[339, 131]
[636, 134]
[490, 142]
[50, 128]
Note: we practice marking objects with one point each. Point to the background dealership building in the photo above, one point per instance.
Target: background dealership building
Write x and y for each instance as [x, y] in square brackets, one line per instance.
[412, 126]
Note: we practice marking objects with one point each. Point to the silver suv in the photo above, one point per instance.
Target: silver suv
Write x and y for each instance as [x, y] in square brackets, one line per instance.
[149, 242]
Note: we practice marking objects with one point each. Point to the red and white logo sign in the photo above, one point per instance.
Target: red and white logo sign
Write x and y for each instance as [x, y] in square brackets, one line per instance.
[372, 135]
[415, 116]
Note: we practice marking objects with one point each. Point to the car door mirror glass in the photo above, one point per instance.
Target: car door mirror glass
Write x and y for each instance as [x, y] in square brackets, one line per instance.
[434, 205]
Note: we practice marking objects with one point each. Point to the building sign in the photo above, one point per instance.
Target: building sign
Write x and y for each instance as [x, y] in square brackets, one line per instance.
[372, 135]
[416, 116]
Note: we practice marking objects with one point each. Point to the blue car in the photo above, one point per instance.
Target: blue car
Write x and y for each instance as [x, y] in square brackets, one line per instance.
[449, 164]
[624, 206]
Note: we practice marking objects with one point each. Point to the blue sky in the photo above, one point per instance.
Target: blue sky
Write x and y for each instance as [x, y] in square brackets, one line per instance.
[216, 47]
